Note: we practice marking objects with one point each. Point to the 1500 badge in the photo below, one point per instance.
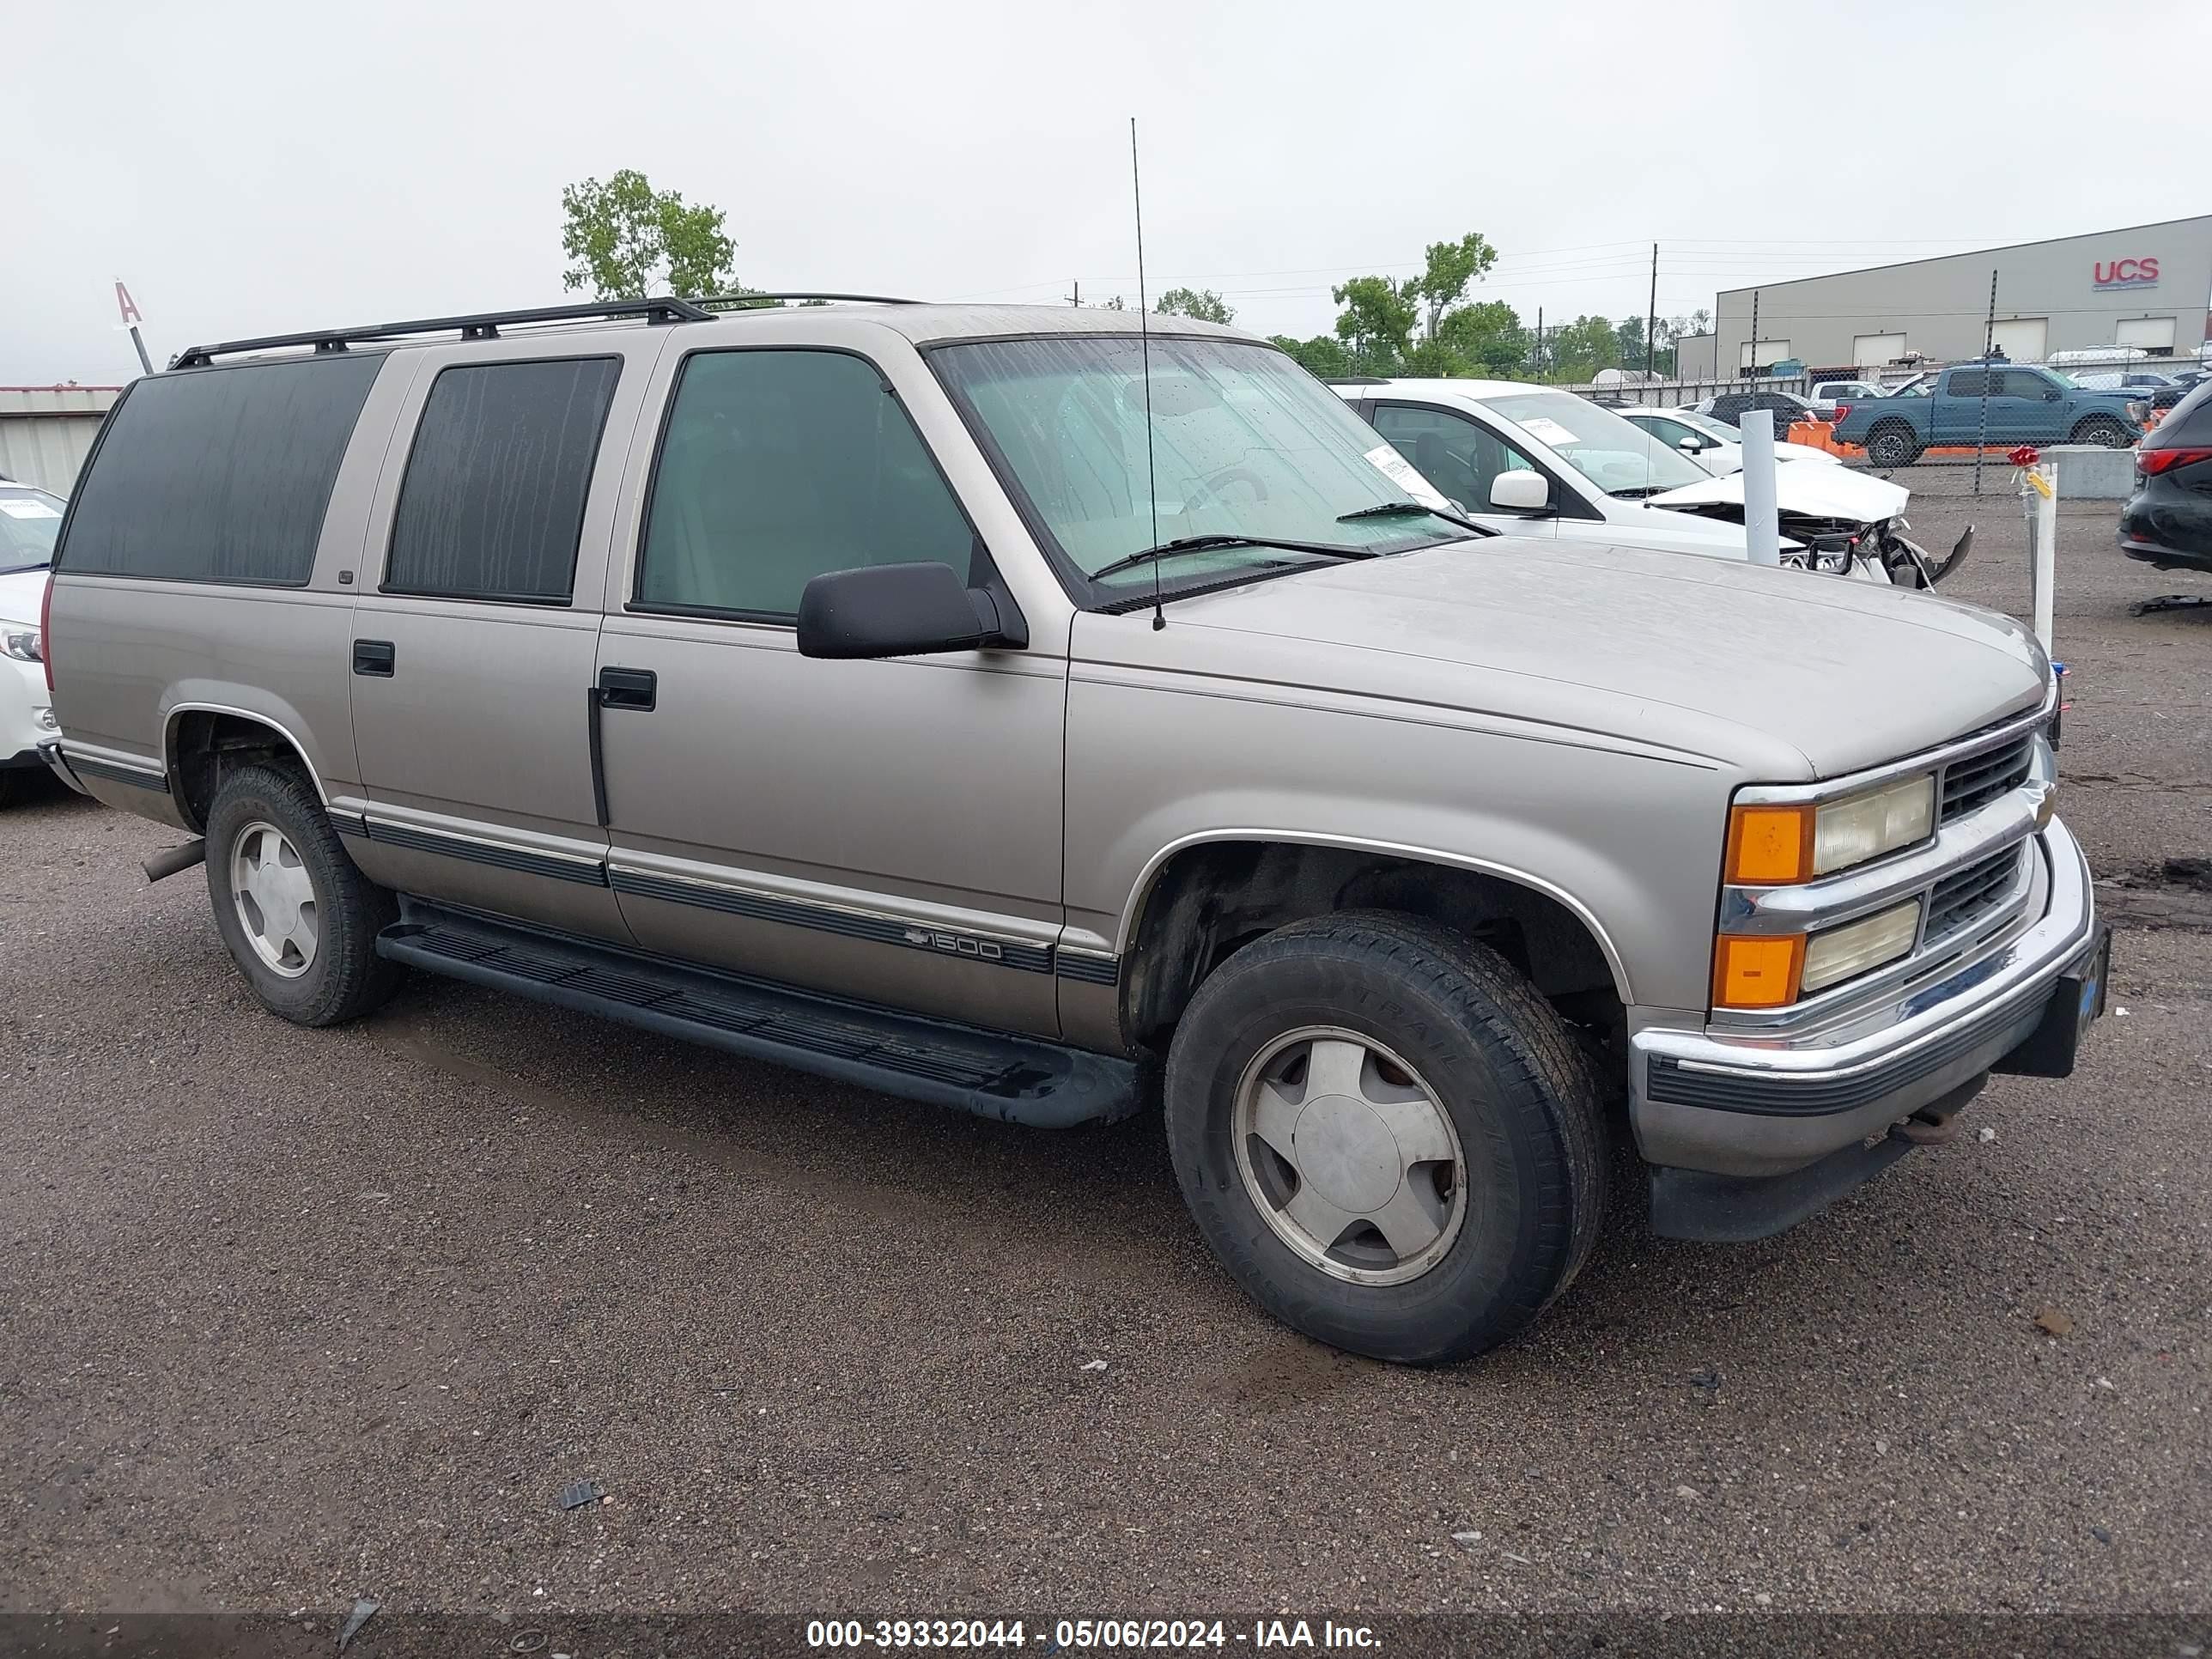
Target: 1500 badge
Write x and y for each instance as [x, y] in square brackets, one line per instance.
[958, 944]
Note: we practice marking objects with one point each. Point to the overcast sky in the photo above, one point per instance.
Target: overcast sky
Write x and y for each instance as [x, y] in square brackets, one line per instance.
[254, 167]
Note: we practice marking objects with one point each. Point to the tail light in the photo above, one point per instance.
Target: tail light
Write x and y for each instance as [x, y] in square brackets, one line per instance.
[2148, 461]
[46, 634]
[1842, 409]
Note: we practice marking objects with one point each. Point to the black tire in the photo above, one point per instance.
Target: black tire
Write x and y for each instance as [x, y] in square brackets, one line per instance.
[1506, 1068]
[2104, 430]
[346, 978]
[1892, 444]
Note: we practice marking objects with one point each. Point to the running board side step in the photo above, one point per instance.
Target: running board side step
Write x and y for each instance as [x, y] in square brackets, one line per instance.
[1017, 1079]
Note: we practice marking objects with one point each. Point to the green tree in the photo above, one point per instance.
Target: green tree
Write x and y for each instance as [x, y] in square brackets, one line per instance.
[1203, 304]
[1451, 266]
[1486, 338]
[1576, 351]
[1322, 355]
[1630, 335]
[627, 241]
[1376, 322]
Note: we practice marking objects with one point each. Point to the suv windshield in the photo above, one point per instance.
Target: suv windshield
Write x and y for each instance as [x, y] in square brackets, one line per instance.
[1243, 443]
[29, 521]
[1617, 456]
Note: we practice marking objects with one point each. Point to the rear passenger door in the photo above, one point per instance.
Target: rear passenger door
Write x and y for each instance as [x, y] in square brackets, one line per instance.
[1955, 414]
[473, 648]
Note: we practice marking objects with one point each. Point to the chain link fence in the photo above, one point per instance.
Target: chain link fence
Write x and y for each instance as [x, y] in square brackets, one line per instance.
[1940, 428]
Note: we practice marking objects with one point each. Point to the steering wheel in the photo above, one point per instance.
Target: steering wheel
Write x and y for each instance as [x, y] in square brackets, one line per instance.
[1211, 488]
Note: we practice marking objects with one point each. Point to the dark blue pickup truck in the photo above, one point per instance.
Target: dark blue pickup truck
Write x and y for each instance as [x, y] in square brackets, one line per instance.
[2024, 406]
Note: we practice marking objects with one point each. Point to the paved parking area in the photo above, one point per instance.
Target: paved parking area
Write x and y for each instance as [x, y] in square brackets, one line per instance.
[287, 1317]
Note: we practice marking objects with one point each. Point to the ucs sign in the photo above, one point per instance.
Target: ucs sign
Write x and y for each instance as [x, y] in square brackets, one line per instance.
[2126, 273]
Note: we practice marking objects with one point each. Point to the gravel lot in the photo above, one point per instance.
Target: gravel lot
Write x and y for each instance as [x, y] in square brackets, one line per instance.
[292, 1316]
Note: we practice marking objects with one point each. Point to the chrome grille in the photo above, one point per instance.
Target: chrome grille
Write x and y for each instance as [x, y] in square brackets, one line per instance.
[1968, 896]
[1978, 780]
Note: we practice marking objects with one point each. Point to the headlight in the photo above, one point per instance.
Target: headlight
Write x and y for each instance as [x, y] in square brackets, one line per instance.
[21, 644]
[1771, 845]
[1839, 953]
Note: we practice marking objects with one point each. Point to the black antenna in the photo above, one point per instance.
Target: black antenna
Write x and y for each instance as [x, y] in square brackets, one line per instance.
[1144, 339]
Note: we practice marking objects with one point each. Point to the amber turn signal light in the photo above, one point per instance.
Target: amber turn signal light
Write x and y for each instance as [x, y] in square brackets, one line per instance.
[1757, 970]
[1769, 845]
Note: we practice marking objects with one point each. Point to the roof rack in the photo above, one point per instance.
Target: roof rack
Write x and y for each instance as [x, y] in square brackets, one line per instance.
[483, 325]
[741, 301]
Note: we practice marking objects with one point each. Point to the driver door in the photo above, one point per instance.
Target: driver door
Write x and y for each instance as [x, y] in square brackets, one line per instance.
[1463, 459]
[886, 831]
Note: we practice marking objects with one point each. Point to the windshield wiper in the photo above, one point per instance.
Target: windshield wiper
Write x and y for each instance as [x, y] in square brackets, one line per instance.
[1199, 544]
[1390, 509]
[1638, 492]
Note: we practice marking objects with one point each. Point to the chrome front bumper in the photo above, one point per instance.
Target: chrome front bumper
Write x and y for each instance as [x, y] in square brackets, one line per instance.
[1747, 1105]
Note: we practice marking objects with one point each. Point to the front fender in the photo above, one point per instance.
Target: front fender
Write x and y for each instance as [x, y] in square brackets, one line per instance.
[1627, 836]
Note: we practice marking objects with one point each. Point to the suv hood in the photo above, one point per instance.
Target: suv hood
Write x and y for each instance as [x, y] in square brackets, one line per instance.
[1787, 674]
[1818, 492]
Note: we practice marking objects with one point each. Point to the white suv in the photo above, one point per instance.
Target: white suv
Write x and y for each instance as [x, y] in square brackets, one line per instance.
[29, 518]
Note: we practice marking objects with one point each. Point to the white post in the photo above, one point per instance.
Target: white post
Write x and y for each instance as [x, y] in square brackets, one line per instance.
[1762, 525]
[2039, 493]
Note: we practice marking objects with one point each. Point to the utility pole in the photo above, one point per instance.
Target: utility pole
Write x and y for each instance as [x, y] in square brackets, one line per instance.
[1754, 353]
[1075, 298]
[1539, 364]
[1651, 320]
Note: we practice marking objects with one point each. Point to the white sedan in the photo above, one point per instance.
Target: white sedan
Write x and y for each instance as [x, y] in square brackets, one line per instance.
[1713, 445]
[28, 521]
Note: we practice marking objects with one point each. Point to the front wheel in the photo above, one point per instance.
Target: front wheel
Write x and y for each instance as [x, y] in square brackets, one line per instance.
[300, 918]
[1386, 1136]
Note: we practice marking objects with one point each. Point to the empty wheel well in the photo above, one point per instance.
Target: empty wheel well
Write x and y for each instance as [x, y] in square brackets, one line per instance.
[205, 747]
[1211, 900]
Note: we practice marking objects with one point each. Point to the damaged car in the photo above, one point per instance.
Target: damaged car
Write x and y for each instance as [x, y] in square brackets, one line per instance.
[1533, 460]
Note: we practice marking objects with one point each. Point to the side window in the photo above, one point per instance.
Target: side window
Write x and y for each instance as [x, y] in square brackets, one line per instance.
[778, 466]
[1967, 383]
[2025, 383]
[1459, 456]
[492, 504]
[219, 474]
[1667, 432]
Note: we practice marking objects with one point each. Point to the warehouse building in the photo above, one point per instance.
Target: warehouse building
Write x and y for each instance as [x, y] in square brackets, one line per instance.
[2147, 285]
[46, 431]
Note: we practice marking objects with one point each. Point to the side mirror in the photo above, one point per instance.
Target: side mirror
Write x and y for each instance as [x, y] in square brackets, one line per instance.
[1690, 443]
[898, 610]
[1520, 491]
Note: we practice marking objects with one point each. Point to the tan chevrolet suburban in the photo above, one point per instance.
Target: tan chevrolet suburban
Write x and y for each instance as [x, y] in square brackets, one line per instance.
[1013, 709]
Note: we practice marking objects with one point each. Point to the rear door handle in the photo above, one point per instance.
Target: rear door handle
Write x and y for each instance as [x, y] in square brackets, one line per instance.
[628, 687]
[374, 657]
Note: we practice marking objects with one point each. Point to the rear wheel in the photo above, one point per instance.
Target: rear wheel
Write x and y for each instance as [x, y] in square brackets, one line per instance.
[1386, 1135]
[2104, 430]
[1892, 444]
[299, 917]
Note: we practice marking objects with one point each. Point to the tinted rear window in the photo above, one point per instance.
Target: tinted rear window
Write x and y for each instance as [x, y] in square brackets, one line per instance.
[219, 474]
[492, 505]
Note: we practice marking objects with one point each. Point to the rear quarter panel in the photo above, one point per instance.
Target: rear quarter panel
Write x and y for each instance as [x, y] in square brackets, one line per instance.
[130, 655]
